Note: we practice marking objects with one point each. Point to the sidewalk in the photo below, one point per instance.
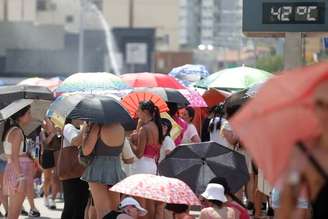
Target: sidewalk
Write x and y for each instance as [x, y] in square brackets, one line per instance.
[45, 212]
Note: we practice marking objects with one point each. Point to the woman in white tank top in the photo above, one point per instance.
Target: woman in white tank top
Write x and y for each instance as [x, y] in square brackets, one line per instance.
[17, 172]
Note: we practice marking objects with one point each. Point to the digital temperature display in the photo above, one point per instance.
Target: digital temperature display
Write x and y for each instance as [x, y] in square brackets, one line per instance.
[293, 13]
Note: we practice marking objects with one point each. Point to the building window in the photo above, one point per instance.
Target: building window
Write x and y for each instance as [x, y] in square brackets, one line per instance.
[69, 19]
[41, 5]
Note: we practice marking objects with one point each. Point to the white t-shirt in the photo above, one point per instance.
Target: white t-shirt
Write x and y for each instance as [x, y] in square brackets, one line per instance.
[190, 132]
[69, 133]
[216, 134]
[167, 145]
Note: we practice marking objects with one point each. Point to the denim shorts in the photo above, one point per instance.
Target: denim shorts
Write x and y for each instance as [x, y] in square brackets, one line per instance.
[3, 164]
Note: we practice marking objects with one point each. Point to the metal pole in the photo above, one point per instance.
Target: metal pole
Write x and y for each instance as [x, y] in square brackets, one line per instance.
[131, 13]
[81, 37]
[293, 51]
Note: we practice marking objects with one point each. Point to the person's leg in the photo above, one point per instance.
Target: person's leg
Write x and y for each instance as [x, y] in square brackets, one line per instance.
[34, 212]
[3, 198]
[68, 189]
[114, 198]
[159, 210]
[46, 185]
[15, 204]
[81, 195]
[101, 199]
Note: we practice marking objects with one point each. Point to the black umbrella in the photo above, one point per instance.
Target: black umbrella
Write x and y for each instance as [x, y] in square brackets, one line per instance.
[168, 94]
[197, 164]
[9, 94]
[102, 110]
[15, 98]
[97, 109]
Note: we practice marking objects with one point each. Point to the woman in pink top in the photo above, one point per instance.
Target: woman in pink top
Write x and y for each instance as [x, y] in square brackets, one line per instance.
[146, 144]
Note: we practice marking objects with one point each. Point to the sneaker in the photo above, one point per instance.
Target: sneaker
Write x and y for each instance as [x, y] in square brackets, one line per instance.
[34, 213]
[52, 204]
[24, 213]
[46, 201]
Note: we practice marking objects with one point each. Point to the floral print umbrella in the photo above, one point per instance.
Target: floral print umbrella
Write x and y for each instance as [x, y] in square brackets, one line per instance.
[159, 188]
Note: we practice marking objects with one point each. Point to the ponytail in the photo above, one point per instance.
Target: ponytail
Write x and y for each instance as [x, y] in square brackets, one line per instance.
[158, 122]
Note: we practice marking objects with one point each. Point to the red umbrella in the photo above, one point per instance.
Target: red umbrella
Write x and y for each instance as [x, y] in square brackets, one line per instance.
[280, 115]
[131, 102]
[151, 80]
[159, 188]
[214, 96]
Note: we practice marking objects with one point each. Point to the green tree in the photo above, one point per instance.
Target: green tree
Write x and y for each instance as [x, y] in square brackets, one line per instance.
[271, 63]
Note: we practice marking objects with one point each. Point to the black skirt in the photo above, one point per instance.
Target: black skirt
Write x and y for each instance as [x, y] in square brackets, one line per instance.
[47, 159]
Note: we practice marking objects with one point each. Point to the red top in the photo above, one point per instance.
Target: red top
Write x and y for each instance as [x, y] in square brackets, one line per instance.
[243, 213]
[152, 151]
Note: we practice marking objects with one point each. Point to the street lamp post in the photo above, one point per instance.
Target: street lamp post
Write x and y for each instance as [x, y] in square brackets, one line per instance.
[81, 37]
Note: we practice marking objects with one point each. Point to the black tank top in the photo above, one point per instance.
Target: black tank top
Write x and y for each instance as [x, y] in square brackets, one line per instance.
[112, 215]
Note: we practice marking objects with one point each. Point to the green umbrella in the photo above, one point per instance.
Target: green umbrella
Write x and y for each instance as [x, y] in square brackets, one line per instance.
[234, 78]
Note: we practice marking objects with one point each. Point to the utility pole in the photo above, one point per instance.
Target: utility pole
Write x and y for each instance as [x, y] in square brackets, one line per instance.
[293, 51]
[131, 13]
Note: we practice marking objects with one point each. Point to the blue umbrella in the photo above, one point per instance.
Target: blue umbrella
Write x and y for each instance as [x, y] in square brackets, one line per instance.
[188, 74]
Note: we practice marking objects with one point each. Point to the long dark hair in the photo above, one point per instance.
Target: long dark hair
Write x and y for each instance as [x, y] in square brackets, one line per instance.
[191, 112]
[154, 112]
[218, 112]
[166, 122]
[13, 121]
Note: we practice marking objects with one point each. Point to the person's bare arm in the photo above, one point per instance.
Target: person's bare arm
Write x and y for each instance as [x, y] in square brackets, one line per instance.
[230, 136]
[90, 139]
[195, 139]
[139, 148]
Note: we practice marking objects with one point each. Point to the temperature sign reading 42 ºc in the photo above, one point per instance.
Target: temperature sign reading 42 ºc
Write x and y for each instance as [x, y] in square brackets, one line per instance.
[293, 13]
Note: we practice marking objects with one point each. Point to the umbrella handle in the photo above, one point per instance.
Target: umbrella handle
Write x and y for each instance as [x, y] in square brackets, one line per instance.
[303, 148]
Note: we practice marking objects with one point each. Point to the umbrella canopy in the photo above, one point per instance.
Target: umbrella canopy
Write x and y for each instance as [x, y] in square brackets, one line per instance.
[159, 188]
[189, 74]
[280, 115]
[194, 98]
[97, 109]
[197, 164]
[168, 94]
[151, 80]
[91, 82]
[214, 96]
[51, 83]
[131, 102]
[9, 94]
[234, 78]
[15, 98]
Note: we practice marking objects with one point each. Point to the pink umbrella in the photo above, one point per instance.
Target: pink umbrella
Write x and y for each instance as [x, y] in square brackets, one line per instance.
[194, 98]
[159, 188]
[279, 116]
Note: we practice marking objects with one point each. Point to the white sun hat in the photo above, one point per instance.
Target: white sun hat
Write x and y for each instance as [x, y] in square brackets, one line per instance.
[215, 191]
[132, 202]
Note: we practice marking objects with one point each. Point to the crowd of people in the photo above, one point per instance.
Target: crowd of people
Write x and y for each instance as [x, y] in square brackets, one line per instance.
[117, 153]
